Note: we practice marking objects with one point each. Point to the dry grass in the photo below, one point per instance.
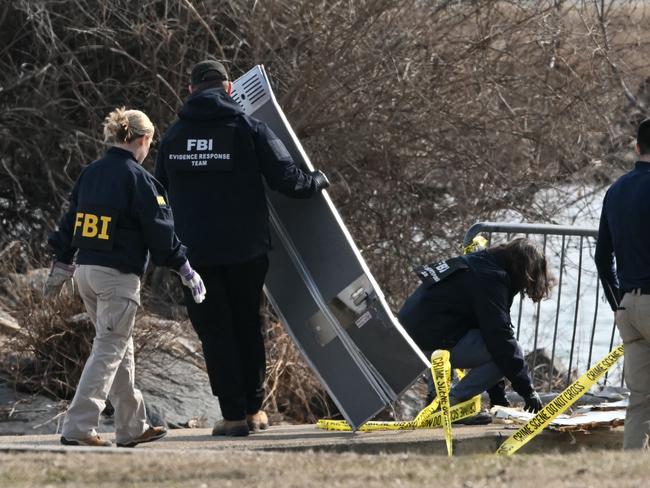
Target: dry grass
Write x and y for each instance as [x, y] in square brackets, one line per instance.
[49, 355]
[204, 469]
[292, 390]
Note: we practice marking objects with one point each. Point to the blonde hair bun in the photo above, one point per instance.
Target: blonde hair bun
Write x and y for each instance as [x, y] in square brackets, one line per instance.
[123, 126]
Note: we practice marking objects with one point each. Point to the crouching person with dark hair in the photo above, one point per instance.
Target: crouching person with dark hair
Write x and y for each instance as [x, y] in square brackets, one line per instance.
[118, 215]
[463, 305]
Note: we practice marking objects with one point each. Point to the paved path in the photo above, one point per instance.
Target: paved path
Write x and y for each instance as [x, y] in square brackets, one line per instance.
[467, 440]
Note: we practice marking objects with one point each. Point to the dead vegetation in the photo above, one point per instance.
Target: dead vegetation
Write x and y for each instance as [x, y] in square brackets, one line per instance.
[292, 390]
[51, 350]
[427, 115]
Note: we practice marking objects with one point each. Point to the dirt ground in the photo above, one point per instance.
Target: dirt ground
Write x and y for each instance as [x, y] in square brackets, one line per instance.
[149, 469]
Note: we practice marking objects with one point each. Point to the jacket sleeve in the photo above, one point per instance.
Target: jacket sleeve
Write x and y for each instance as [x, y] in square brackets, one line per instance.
[152, 209]
[278, 167]
[60, 241]
[160, 171]
[605, 263]
[492, 308]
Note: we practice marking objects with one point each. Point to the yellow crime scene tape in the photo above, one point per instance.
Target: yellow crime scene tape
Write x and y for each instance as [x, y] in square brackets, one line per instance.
[559, 404]
[478, 243]
[430, 417]
[441, 371]
[424, 418]
[432, 420]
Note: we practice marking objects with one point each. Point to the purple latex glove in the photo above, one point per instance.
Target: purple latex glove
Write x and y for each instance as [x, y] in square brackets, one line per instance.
[193, 281]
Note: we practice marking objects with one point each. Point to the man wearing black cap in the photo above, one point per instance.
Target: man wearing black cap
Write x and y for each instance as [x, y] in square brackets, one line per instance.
[212, 161]
[623, 261]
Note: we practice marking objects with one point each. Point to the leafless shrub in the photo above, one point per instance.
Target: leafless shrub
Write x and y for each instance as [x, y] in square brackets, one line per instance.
[428, 115]
[51, 350]
[49, 353]
[292, 390]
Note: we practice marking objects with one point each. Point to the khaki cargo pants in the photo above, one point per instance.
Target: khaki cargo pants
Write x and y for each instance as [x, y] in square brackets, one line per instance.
[111, 299]
[633, 321]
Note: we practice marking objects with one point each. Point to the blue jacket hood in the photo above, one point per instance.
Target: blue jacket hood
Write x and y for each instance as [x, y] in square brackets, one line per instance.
[210, 104]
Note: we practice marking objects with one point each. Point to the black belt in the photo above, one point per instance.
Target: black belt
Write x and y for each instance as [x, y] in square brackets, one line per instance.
[641, 289]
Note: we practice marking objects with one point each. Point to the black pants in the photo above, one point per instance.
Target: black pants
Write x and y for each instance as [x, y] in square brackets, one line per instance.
[229, 326]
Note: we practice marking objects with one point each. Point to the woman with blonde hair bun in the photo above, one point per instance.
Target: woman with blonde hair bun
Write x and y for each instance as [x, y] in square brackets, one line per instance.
[118, 217]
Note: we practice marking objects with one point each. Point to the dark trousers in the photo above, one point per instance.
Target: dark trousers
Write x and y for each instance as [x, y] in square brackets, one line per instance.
[229, 325]
[471, 353]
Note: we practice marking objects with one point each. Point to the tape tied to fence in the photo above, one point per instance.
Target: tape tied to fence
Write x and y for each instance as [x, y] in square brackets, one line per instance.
[441, 372]
[478, 243]
[559, 404]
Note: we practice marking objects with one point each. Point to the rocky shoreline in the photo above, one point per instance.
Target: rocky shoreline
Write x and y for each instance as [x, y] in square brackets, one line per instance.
[169, 371]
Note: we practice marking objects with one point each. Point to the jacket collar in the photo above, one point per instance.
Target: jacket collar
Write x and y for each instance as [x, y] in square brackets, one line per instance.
[118, 151]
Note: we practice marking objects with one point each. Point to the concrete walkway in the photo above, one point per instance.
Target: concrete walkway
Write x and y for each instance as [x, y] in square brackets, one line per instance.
[467, 440]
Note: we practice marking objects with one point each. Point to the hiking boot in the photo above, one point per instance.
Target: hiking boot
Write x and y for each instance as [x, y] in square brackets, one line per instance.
[231, 428]
[149, 435]
[92, 441]
[257, 421]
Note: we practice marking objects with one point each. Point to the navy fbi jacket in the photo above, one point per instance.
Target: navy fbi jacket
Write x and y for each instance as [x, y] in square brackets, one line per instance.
[623, 247]
[438, 315]
[118, 214]
[211, 161]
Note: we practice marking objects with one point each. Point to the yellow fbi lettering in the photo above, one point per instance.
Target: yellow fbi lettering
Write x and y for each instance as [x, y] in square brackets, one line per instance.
[93, 226]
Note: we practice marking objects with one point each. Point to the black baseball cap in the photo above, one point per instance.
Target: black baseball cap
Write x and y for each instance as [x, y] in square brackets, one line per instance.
[208, 70]
[643, 134]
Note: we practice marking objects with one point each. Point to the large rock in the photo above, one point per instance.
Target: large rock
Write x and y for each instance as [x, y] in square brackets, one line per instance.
[176, 391]
[170, 373]
[28, 414]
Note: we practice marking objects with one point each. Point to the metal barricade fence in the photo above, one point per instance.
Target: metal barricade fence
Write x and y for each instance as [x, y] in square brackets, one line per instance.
[575, 326]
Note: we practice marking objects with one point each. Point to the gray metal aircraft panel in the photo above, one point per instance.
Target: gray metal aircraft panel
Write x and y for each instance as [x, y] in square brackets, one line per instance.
[323, 290]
